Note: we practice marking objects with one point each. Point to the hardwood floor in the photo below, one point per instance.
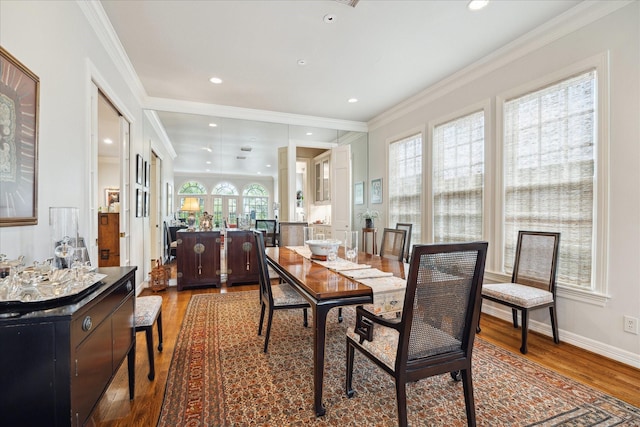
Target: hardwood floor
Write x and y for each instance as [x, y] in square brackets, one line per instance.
[115, 408]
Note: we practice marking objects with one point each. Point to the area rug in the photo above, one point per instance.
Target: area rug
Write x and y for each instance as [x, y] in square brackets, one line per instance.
[219, 376]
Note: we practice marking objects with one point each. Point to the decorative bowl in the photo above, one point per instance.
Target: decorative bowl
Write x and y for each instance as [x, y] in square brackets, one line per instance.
[320, 248]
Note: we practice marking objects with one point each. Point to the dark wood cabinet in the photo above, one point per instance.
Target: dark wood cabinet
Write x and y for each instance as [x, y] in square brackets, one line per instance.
[198, 261]
[242, 259]
[108, 239]
[56, 363]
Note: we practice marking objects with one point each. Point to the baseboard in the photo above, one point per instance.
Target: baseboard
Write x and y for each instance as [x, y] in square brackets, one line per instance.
[585, 343]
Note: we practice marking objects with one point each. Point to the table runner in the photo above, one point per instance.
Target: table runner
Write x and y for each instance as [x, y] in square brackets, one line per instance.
[388, 290]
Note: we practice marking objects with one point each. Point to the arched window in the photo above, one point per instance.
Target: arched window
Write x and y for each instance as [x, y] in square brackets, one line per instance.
[225, 203]
[191, 189]
[255, 202]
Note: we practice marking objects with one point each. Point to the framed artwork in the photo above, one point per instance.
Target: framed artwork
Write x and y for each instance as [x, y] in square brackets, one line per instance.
[19, 99]
[139, 169]
[376, 190]
[111, 196]
[147, 173]
[358, 193]
[146, 203]
[139, 203]
[169, 199]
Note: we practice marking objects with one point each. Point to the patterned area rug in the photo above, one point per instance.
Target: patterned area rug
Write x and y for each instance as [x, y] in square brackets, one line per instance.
[219, 376]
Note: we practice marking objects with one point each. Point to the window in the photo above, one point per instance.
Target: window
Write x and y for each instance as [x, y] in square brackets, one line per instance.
[189, 189]
[225, 203]
[549, 171]
[405, 184]
[458, 179]
[255, 199]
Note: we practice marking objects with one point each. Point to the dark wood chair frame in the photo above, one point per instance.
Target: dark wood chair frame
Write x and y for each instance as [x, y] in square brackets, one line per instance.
[407, 243]
[549, 286]
[269, 228]
[457, 363]
[266, 296]
[400, 234]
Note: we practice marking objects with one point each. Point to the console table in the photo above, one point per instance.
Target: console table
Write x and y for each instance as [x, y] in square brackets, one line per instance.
[58, 361]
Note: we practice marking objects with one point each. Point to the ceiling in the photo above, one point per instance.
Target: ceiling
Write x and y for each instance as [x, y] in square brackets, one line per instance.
[380, 52]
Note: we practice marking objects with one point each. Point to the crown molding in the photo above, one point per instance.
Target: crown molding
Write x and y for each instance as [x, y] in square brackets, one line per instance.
[153, 119]
[575, 18]
[215, 110]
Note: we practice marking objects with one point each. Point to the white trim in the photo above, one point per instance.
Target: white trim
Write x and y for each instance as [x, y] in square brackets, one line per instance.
[575, 18]
[180, 106]
[159, 129]
[580, 341]
[600, 62]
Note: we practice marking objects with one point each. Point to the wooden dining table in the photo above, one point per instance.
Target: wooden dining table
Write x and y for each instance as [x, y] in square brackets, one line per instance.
[325, 289]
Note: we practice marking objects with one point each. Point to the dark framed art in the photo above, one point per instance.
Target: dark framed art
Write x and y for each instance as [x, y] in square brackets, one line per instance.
[139, 203]
[19, 98]
[147, 173]
[139, 169]
[146, 203]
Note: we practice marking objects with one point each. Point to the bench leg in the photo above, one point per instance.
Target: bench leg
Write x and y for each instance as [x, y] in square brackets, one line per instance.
[148, 331]
[160, 331]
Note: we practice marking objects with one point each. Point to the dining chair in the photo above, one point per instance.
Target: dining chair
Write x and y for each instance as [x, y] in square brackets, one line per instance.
[435, 333]
[171, 244]
[268, 226]
[393, 242]
[408, 227]
[533, 281]
[274, 297]
[292, 233]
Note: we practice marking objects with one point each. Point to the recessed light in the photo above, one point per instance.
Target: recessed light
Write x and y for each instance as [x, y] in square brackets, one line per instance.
[259, 173]
[108, 141]
[207, 149]
[309, 133]
[208, 162]
[246, 148]
[213, 125]
[329, 18]
[352, 100]
[302, 62]
[477, 4]
[215, 80]
[268, 166]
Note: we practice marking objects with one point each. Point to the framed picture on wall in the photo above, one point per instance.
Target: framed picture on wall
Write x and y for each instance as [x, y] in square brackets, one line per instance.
[358, 193]
[139, 203]
[147, 173]
[139, 169]
[169, 199]
[19, 98]
[111, 196]
[376, 190]
[146, 203]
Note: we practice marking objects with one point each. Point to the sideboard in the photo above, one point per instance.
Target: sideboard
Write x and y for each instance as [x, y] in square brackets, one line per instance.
[57, 362]
[198, 261]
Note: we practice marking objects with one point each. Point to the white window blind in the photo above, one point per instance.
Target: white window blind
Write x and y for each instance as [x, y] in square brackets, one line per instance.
[458, 179]
[405, 184]
[550, 146]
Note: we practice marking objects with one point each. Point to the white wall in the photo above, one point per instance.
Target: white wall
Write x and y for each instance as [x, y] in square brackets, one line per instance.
[54, 40]
[594, 325]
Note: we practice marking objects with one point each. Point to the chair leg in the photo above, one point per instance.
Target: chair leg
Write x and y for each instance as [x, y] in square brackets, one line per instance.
[266, 337]
[467, 385]
[262, 307]
[306, 317]
[514, 314]
[554, 323]
[401, 397]
[148, 331]
[339, 314]
[159, 331]
[349, 376]
[525, 327]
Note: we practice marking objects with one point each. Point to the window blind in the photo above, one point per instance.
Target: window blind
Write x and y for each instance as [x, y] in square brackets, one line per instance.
[549, 160]
[405, 184]
[458, 179]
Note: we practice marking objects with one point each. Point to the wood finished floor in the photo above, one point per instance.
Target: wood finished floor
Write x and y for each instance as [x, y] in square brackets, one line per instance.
[116, 410]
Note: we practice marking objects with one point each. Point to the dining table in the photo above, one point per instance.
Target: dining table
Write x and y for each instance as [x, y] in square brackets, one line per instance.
[326, 288]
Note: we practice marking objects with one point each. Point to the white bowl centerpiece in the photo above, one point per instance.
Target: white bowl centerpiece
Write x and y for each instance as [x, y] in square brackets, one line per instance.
[321, 248]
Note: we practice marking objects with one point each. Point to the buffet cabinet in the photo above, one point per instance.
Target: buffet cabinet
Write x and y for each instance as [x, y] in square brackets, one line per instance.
[57, 362]
[242, 257]
[198, 263]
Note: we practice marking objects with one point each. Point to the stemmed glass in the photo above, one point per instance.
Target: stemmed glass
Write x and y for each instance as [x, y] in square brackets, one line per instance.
[351, 246]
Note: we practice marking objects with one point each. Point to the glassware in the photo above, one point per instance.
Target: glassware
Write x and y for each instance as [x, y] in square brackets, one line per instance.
[64, 235]
[351, 246]
[308, 234]
[319, 236]
[332, 253]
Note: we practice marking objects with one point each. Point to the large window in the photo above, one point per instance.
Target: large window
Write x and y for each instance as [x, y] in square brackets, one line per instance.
[191, 189]
[549, 171]
[255, 199]
[405, 184]
[458, 179]
[225, 203]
